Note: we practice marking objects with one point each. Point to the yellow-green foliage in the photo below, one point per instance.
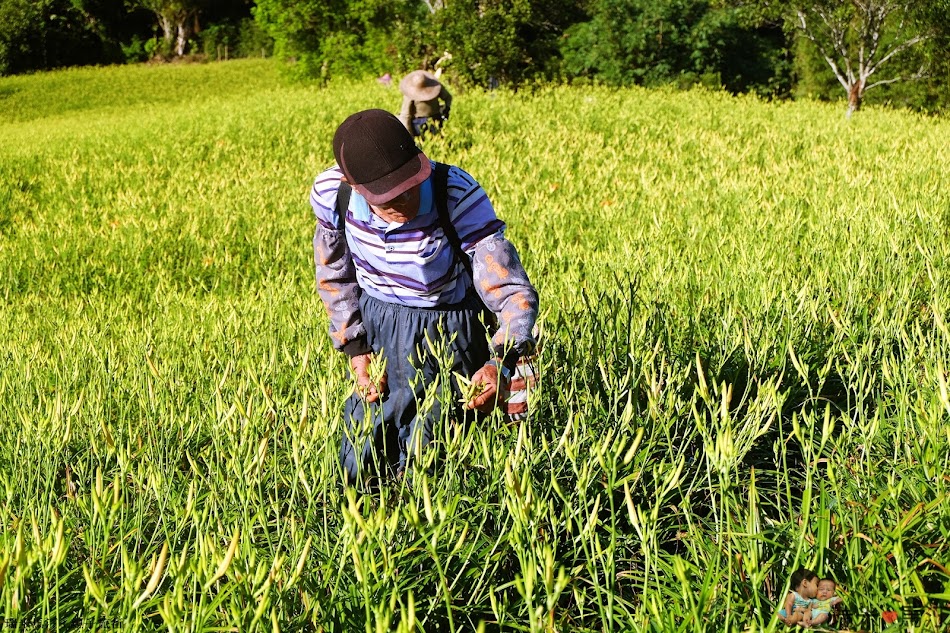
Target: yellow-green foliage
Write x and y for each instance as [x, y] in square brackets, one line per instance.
[745, 365]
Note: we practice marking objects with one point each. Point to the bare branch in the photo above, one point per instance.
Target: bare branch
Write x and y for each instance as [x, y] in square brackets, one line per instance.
[874, 23]
[900, 47]
[920, 74]
[883, 82]
[837, 32]
[803, 27]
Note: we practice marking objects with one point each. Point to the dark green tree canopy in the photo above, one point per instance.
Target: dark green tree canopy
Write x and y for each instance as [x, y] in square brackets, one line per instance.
[795, 47]
[505, 41]
[652, 42]
[37, 34]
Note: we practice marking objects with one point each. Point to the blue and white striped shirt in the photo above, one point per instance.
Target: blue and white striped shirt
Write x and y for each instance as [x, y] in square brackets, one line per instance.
[413, 263]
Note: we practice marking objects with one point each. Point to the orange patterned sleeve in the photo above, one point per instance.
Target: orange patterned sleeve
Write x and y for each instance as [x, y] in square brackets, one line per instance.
[503, 285]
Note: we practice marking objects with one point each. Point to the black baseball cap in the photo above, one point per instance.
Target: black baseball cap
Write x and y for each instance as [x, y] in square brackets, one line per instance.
[378, 156]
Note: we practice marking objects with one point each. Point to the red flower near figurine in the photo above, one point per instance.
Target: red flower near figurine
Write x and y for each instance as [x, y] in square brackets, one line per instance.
[889, 616]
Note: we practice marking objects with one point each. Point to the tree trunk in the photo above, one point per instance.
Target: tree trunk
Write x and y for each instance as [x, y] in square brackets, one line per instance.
[855, 94]
[168, 33]
[182, 40]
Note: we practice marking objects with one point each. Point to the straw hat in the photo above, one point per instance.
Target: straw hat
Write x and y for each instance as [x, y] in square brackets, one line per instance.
[420, 85]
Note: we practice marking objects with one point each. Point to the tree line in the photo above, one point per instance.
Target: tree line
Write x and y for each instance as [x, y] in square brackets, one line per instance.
[887, 51]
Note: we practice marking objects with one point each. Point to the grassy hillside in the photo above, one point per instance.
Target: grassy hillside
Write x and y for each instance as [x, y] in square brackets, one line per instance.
[744, 366]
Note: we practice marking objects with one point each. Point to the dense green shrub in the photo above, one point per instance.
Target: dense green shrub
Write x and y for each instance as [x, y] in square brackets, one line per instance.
[681, 42]
[242, 38]
[252, 41]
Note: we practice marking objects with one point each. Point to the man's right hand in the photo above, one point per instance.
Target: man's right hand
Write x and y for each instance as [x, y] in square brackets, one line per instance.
[365, 386]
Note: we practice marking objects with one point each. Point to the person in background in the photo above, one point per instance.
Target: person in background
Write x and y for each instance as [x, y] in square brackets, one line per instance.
[803, 587]
[822, 603]
[416, 254]
[425, 103]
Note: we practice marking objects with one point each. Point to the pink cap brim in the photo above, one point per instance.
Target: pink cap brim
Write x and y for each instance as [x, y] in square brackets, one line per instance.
[384, 189]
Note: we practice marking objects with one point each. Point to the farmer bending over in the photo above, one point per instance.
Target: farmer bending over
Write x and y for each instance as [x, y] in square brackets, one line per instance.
[425, 103]
[405, 248]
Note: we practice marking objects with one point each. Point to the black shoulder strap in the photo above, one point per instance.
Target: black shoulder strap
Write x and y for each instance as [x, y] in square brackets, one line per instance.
[342, 204]
[442, 205]
[441, 186]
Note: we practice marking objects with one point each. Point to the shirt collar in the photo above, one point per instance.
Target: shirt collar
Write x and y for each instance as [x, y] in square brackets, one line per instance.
[361, 211]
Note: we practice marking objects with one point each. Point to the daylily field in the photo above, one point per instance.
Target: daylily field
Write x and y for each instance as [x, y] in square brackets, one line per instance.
[744, 365]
